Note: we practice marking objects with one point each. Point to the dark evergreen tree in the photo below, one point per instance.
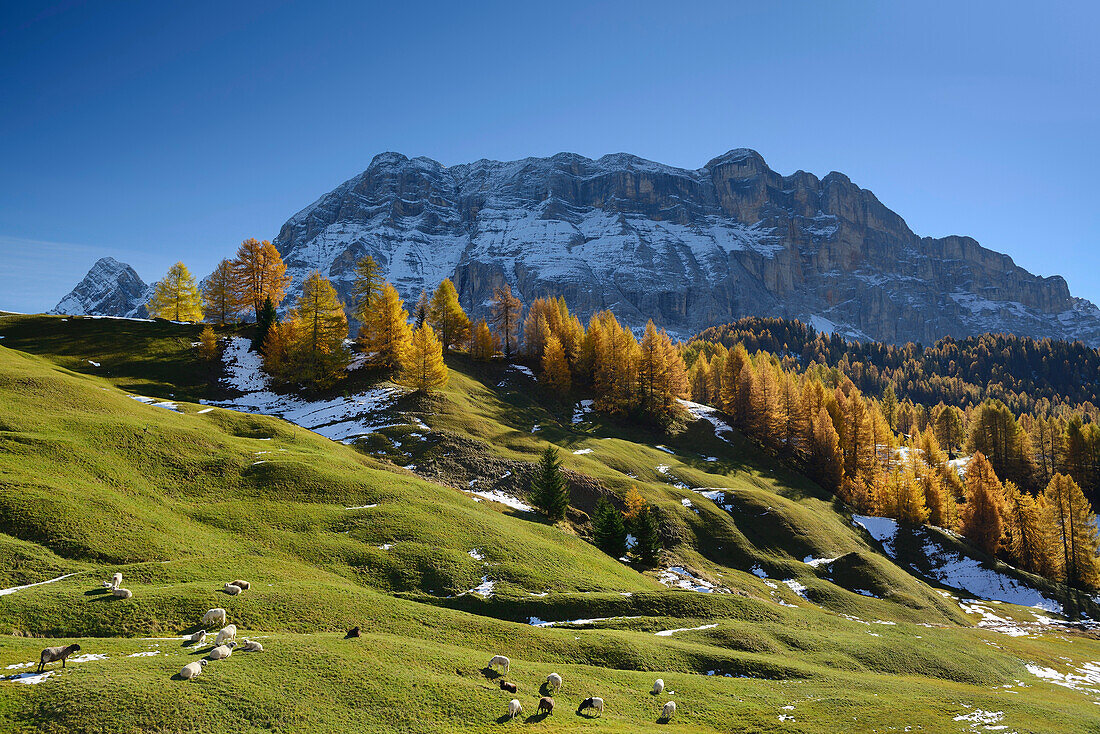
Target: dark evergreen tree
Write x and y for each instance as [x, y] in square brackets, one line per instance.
[549, 492]
[649, 535]
[265, 319]
[609, 529]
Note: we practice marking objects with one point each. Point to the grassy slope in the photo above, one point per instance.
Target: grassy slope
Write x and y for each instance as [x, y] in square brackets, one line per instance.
[92, 481]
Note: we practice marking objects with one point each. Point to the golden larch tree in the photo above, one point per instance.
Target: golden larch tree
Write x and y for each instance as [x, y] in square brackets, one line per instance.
[483, 344]
[318, 351]
[446, 316]
[258, 274]
[1076, 533]
[176, 297]
[385, 335]
[980, 520]
[422, 366]
[218, 298]
[505, 310]
[208, 344]
[555, 368]
[365, 287]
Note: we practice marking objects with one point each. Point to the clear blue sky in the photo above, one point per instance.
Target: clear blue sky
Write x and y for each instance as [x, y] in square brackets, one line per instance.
[155, 131]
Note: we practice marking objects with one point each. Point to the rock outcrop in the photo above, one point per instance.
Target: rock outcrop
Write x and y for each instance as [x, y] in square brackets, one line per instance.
[687, 248]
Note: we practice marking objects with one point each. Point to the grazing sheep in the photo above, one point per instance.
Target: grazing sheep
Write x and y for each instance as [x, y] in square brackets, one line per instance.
[506, 686]
[514, 707]
[658, 687]
[668, 710]
[116, 580]
[123, 593]
[242, 585]
[214, 615]
[198, 638]
[554, 681]
[546, 704]
[221, 652]
[228, 632]
[192, 670]
[594, 702]
[353, 632]
[231, 589]
[252, 646]
[502, 661]
[53, 654]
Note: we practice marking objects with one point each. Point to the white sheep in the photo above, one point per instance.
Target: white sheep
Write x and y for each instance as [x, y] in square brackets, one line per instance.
[252, 646]
[116, 580]
[553, 681]
[514, 707]
[231, 589]
[668, 710]
[658, 687]
[214, 615]
[123, 593]
[242, 585]
[192, 670]
[221, 652]
[228, 632]
[593, 702]
[198, 638]
[500, 660]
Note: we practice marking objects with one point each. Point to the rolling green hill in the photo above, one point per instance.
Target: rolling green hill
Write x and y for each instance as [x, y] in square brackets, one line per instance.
[181, 497]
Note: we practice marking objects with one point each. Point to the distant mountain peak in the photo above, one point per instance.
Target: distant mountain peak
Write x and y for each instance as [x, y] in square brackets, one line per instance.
[110, 288]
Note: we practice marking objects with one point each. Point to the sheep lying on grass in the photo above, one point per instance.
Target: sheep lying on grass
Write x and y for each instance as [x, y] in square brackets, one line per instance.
[214, 615]
[506, 686]
[242, 585]
[231, 589]
[252, 646]
[502, 661]
[546, 704]
[668, 710]
[198, 638]
[227, 632]
[514, 707]
[554, 681]
[123, 593]
[658, 687]
[221, 652]
[593, 702]
[53, 654]
[192, 670]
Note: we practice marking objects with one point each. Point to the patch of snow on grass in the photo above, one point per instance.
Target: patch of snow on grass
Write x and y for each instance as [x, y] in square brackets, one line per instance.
[582, 409]
[94, 363]
[959, 572]
[485, 588]
[796, 588]
[815, 562]
[579, 452]
[476, 555]
[702, 412]
[523, 369]
[204, 410]
[666, 449]
[505, 499]
[12, 590]
[90, 657]
[340, 419]
[166, 404]
[145, 654]
[362, 507]
[28, 678]
[536, 622]
[670, 633]
[680, 578]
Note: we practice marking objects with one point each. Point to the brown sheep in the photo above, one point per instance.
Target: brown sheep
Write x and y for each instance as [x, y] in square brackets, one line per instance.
[53, 654]
[506, 686]
[546, 704]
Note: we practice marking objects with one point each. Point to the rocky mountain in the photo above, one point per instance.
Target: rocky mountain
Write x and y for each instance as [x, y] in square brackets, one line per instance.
[110, 288]
[687, 248]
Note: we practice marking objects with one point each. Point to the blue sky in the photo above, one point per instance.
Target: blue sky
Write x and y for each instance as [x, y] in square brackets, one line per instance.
[155, 132]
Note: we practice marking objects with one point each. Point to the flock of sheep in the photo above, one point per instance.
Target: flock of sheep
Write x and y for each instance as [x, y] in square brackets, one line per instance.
[224, 641]
[553, 682]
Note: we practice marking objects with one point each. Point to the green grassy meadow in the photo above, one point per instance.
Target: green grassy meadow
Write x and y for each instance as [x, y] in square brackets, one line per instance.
[333, 536]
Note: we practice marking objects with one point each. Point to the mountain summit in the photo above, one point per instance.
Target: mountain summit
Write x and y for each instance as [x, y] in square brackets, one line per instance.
[687, 248]
[110, 288]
